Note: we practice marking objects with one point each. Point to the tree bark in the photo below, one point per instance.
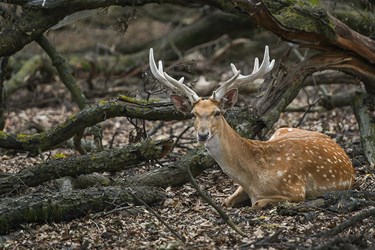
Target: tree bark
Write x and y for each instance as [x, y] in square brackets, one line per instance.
[62, 206]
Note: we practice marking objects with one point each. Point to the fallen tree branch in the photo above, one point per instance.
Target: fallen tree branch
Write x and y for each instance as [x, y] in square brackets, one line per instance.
[62, 206]
[104, 161]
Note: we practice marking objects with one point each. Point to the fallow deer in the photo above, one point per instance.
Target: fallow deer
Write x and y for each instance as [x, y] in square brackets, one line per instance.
[292, 165]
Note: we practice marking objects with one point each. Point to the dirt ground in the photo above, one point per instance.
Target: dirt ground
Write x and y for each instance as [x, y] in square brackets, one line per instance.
[131, 227]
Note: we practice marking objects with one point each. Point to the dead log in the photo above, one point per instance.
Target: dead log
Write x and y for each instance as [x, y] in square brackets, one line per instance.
[62, 206]
[106, 161]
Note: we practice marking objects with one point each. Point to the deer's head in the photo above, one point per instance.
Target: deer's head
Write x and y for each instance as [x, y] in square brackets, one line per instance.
[208, 112]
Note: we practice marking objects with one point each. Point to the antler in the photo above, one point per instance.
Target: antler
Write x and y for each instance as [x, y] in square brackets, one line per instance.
[238, 79]
[169, 81]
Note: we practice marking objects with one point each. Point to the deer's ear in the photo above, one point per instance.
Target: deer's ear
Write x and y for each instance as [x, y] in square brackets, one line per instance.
[229, 99]
[181, 103]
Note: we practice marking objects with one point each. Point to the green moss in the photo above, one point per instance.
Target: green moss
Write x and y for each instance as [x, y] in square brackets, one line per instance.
[137, 101]
[3, 135]
[73, 117]
[302, 15]
[23, 137]
[102, 102]
[59, 156]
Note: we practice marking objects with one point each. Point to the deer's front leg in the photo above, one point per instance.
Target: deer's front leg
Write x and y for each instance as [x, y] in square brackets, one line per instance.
[237, 197]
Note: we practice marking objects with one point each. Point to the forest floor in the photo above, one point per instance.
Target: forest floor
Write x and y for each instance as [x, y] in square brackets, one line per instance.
[130, 227]
[135, 227]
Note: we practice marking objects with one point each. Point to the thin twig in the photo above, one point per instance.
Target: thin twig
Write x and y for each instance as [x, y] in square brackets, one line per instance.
[179, 136]
[310, 105]
[218, 209]
[348, 223]
[177, 235]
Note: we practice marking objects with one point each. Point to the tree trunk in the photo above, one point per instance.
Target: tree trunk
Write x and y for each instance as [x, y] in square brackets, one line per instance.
[364, 111]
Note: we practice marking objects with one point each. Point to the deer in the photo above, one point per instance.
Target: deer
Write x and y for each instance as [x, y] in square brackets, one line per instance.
[293, 165]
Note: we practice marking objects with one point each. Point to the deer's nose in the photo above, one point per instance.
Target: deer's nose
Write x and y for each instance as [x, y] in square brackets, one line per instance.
[203, 136]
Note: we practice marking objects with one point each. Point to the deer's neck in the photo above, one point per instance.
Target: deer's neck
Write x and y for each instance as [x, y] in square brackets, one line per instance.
[228, 149]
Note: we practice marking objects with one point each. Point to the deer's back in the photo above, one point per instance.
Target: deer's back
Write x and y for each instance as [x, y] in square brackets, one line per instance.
[308, 159]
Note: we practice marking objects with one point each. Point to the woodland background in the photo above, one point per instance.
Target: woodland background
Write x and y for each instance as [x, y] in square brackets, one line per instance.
[93, 154]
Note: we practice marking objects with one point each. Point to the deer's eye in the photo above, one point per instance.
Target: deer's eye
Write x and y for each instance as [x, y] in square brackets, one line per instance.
[217, 113]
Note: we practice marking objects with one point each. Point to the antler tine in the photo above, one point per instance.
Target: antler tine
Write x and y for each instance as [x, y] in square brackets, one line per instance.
[169, 81]
[258, 72]
[219, 93]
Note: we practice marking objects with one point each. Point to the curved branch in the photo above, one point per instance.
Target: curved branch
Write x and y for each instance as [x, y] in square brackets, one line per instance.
[87, 117]
[284, 88]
